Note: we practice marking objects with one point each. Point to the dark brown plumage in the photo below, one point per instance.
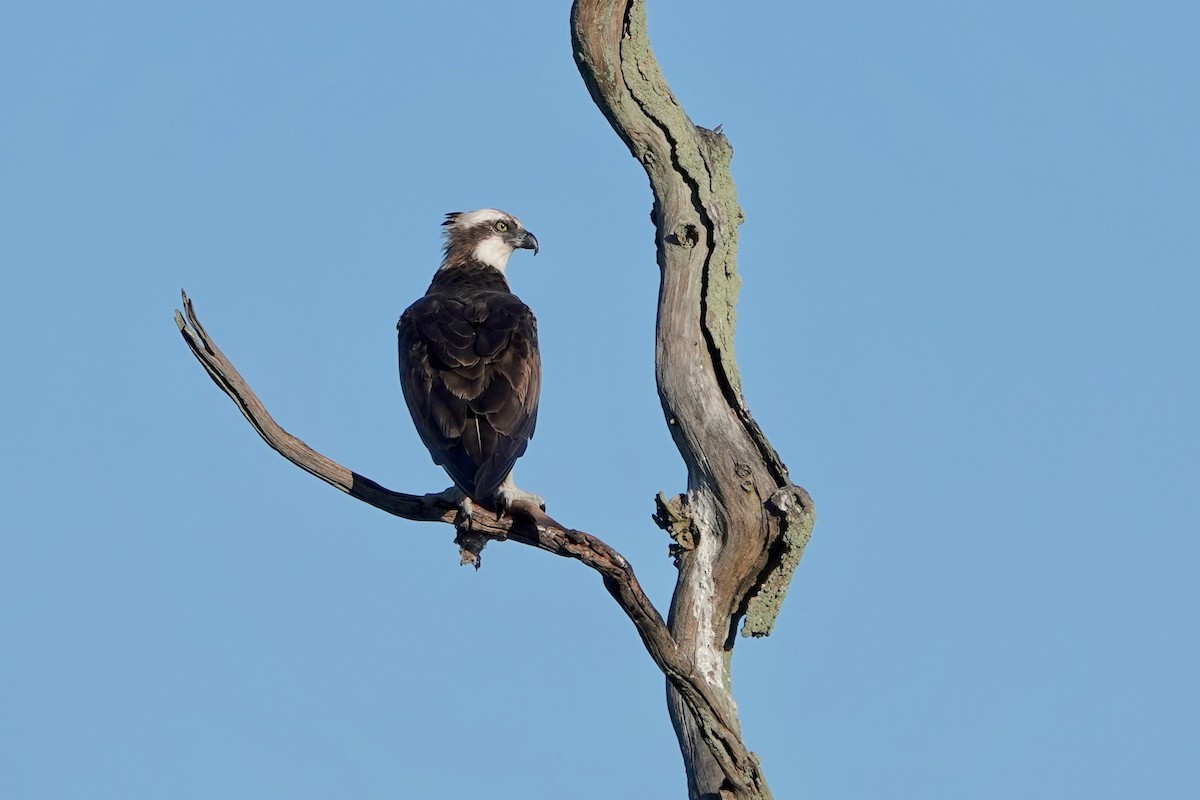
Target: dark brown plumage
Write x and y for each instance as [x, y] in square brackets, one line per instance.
[469, 362]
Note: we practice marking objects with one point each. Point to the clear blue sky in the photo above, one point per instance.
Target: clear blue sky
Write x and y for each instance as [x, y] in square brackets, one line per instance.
[969, 324]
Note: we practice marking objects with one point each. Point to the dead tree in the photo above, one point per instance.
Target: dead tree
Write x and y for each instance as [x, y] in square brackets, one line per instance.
[741, 527]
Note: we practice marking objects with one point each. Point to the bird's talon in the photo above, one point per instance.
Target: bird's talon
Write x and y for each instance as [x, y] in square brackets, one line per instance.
[508, 494]
[466, 511]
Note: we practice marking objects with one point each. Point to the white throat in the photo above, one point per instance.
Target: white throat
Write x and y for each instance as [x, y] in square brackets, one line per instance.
[493, 252]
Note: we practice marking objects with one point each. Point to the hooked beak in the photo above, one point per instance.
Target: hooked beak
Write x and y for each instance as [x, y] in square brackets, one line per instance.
[529, 242]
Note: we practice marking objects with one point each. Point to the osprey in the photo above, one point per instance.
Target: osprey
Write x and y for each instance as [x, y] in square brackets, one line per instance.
[469, 362]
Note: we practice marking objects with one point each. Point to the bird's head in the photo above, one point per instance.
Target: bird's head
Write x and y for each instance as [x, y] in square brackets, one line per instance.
[487, 236]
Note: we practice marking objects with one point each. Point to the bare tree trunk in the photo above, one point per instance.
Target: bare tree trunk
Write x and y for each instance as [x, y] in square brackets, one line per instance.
[742, 526]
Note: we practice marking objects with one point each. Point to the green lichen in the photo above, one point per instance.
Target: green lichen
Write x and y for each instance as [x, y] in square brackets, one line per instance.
[796, 519]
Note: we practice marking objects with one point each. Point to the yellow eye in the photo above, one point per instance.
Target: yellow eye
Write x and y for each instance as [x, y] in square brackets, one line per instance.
[501, 226]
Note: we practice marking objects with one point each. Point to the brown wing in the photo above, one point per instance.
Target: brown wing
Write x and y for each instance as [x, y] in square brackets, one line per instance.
[471, 374]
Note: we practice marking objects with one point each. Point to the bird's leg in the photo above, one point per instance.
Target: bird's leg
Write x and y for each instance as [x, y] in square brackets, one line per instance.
[459, 498]
[465, 510]
[508, 493]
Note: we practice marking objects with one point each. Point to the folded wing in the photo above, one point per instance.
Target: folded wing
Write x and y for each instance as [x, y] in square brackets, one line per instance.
[471, 374]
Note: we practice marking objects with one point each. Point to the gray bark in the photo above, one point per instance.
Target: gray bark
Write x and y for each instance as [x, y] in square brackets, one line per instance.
[741, 526]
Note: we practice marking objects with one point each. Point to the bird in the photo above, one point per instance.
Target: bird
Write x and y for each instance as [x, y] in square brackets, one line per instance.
[470, 368]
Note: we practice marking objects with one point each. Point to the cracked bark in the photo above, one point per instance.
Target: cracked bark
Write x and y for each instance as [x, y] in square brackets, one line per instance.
[741, 527]
[526, 524]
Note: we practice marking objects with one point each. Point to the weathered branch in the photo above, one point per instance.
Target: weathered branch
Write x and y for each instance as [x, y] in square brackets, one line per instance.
[527, 525]
[742, 526]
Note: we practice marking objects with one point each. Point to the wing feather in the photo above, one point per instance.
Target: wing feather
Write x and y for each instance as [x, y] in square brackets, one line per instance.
[471, 374]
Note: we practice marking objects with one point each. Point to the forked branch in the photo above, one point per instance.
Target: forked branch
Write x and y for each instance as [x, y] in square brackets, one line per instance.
[527, 525]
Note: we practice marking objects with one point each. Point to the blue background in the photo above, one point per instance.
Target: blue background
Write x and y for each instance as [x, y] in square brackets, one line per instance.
[968, 323]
